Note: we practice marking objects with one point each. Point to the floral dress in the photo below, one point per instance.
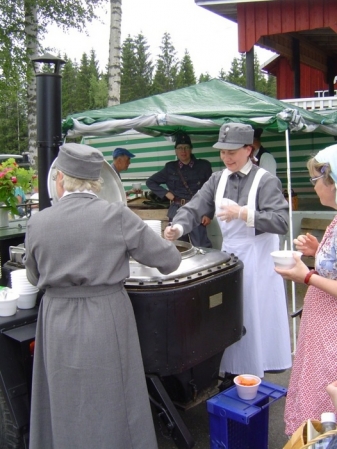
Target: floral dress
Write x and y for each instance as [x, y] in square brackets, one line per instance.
[315, 364]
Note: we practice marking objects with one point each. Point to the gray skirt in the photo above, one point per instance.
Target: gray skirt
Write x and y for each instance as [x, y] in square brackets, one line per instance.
[89, 388]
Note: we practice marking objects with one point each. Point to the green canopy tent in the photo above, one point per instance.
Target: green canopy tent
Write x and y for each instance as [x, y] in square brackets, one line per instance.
[199, 110]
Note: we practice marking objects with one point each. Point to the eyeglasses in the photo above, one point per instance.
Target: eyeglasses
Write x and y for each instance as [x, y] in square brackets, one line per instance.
[314, 180]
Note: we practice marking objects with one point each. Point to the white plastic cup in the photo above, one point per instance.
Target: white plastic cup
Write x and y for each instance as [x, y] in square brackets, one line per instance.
[284, 258]
[137, 186]
[247, 392]
[27, 300]
[8, 306]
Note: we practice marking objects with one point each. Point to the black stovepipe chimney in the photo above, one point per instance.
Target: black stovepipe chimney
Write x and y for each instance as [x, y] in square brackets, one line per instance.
[48, 116]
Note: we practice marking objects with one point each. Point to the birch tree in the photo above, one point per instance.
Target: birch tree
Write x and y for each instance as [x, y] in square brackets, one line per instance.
[22, 24]
[114, 64]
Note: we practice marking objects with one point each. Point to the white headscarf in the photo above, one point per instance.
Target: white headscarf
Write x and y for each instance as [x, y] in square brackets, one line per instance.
[329, 156]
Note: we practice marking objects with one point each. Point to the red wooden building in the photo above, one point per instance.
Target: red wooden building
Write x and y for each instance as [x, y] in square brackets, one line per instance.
[302, 32]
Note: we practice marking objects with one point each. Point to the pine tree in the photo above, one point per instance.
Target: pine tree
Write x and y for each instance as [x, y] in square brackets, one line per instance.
[88, 69]
[13, 119]
[128, 70]
[144, 68]
[99, 92]
[22, 24]
[204, 77]
[93, 64]
[69, 81]
[222, 75]
[237, 72]
[83, 84]
[237, 75]
[165, 79]
[13, 113]
[186, 75]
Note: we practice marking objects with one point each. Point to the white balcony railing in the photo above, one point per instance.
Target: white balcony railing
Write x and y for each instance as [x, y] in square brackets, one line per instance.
[315, 103]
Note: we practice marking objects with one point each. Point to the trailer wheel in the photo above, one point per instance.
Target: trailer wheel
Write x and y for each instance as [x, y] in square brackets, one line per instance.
[10, 437]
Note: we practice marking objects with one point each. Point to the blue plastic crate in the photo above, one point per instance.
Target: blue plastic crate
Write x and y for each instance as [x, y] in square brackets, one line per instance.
[238, 424]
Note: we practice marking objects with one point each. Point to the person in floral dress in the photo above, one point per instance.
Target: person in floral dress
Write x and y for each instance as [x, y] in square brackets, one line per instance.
[315, 364]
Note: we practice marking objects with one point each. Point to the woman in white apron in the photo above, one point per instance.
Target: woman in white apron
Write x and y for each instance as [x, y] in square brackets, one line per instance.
[251, 212]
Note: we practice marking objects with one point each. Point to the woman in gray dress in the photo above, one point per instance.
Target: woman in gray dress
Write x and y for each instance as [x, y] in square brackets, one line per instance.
[89, 388]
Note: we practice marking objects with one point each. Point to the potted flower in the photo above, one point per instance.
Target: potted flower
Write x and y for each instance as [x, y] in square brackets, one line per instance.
[12, 177]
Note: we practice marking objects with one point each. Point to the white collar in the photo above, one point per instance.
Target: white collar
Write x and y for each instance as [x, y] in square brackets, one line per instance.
[245, 169]
[66, 193]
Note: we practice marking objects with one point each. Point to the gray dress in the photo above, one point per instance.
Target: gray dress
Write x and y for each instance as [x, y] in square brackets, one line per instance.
[89, 387]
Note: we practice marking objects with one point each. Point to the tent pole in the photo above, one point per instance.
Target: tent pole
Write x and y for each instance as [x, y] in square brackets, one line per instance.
[293, 296]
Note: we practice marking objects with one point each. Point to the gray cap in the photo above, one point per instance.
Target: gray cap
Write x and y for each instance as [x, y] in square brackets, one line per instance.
[233, 136]
[79, 161]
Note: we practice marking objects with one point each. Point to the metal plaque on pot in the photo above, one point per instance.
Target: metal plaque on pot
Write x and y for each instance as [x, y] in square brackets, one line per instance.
[112, 188]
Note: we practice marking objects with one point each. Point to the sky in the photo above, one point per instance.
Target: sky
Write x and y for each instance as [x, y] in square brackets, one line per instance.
[211, 40]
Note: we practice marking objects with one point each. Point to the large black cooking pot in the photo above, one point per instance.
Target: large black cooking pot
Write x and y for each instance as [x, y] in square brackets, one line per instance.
[190, 315]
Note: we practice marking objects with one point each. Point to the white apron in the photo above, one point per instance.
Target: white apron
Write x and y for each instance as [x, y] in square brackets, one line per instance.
[266, 345]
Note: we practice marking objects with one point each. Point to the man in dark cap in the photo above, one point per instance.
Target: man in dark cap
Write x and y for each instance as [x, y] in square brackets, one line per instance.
[89, 388]
[121, 161]
[182, 179]
[261, 156]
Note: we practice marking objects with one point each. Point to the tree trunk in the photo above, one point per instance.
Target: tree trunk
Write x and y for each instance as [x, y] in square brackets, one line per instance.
[114, 67]
[32, 51]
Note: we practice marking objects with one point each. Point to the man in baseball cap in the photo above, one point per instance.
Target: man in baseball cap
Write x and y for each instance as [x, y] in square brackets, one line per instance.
[121, 161]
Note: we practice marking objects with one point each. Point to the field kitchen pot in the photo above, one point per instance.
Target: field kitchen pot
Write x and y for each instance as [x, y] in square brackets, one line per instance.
[185, 321]
[190, 315]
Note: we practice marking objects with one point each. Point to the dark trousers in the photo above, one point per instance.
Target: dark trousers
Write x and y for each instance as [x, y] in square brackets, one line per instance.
[197, 237]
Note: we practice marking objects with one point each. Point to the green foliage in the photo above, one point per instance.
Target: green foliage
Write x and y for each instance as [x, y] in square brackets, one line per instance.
[204, 77]
[128, 70]
[83, 84]
[237, 72]
[13, 21]
[143, 69]
[69, 80]
[136, 69]
[237, 75]
[98, 92]
[165, 78]
[13, 112]
[186, 75]
[83, 87]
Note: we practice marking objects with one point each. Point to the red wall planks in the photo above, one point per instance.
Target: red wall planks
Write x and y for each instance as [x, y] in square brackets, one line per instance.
[311, 80]
[283, 16]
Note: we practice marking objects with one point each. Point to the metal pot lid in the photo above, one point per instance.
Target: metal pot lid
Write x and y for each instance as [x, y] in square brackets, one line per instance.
[112, 188]
[196, 263]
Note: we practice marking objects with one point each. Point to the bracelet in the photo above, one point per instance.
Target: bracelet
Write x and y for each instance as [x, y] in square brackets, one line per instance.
[239, 216]
[308, 276]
